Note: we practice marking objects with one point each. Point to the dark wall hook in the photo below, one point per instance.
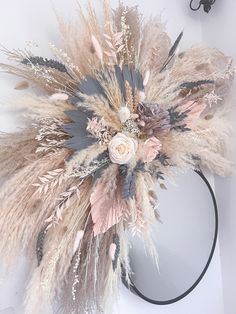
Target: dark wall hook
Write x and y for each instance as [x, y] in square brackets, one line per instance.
[206, 5]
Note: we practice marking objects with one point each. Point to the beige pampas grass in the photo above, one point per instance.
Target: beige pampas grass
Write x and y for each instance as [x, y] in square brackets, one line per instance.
[17, 151]
[154, 47]
[30, 210]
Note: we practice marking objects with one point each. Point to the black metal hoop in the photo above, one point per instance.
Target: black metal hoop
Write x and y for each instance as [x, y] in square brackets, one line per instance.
[207, 4]
[134, 289]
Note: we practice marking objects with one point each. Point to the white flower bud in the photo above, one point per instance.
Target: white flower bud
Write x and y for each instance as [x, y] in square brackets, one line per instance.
[124, 114]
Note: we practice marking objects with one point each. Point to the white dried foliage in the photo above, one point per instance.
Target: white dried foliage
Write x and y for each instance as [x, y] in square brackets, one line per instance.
[49, 180]
[64, 202]
[50, 135]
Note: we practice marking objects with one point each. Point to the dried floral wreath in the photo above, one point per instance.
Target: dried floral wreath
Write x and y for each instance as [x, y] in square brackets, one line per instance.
[121, 111]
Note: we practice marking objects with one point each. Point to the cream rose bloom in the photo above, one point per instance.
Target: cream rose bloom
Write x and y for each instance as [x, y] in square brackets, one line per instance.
[122, 149]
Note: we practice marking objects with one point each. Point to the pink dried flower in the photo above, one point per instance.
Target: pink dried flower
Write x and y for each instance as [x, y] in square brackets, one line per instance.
[151, 148]
[97, 47]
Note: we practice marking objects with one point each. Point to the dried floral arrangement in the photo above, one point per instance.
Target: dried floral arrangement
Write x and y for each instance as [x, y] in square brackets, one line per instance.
[121, 110]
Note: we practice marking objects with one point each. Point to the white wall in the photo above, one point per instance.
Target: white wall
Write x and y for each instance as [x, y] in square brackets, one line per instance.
[25, 20]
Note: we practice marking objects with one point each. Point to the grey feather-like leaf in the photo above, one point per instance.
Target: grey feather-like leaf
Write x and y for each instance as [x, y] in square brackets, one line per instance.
[191, 85]
[128, 187]
[77, 143]
[40, 244]
[176, 44]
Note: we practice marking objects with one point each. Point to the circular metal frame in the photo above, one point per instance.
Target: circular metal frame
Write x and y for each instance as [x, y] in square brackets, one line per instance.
[135, 290]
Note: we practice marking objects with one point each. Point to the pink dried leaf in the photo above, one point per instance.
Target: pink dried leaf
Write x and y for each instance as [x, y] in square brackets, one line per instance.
[106, 208]
[97, 47]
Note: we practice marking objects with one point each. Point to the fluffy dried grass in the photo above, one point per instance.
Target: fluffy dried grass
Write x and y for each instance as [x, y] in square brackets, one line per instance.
[58, 253]
[197, 63]
[154, 47]
[17, 151]
[100, 106]
[49, 79]
[21, 220]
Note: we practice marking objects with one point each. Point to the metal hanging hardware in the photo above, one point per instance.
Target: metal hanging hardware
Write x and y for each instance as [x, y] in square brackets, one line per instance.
[207, 4]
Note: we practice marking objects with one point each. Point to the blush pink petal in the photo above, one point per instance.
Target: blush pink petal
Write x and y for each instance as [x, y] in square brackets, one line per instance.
[151, 148]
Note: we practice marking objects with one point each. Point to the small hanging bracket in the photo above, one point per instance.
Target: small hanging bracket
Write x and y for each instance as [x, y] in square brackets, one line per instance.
[207, 4]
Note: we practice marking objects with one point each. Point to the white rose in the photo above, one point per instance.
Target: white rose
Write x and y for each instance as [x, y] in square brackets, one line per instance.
[122, 149]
